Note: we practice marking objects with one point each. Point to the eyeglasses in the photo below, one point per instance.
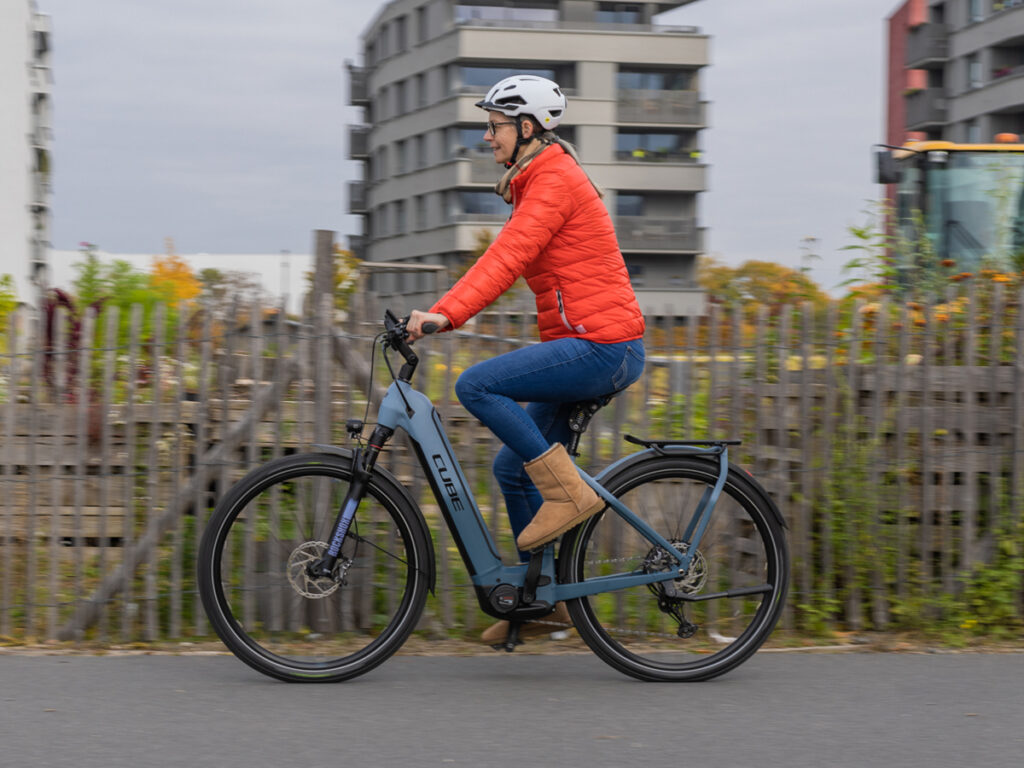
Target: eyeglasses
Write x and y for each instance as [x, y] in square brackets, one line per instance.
[492, 126]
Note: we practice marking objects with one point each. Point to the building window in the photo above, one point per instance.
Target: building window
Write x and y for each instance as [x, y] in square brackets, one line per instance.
[400, 158]
[480, 78]
[420, 86]
[421, 24]
[420, 142]
[655, 80]
[400, 102]
[401, 40]
[973, 132]
[654, 147]
[468, 13]
[974, 72]
[629, 205]
[976, 12]
[470, 140]
[400, 222]
[421, 211]
[477, 205]
[618, 13]
[636, 273]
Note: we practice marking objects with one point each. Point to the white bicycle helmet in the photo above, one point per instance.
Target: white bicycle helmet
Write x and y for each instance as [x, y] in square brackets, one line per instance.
[530, 95]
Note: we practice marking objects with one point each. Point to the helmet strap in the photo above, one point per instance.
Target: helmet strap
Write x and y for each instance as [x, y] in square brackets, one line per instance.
[520, 141]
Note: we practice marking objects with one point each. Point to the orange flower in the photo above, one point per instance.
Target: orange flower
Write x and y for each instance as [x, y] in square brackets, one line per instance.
[1000, 278]
[947, 262]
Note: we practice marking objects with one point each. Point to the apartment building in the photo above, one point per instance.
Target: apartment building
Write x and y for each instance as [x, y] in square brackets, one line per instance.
[956, 69]
[25, 137]
[635, 114]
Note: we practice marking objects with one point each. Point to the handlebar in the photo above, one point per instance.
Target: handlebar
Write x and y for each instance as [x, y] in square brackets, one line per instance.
[395, 337]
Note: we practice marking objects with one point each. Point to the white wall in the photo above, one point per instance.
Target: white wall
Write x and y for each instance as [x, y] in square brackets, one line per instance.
[15, 157]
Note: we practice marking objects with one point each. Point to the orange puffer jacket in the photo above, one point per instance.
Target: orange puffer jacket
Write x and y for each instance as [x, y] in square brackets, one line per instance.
[561, 239]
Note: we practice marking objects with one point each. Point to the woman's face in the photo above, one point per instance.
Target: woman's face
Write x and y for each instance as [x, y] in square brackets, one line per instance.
[501, 135]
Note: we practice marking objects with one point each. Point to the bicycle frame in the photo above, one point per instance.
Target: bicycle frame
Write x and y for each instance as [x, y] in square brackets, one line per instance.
[404, 407]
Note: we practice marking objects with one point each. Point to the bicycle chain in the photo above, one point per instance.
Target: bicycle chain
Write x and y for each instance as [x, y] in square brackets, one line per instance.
[614, 630]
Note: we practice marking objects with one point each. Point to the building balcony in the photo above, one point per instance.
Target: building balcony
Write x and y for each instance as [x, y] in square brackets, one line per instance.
[926, 109]
[658, 156]
[357, 197]
[650, 106]
[41, 191]
[358, 86]
[357, 244]
[580, 26]
[928, 46]
[358, 142]
[648, 233]
[41, 137]
[482, 168]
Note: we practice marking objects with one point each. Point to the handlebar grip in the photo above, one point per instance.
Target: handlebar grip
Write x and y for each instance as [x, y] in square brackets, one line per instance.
[429, 328]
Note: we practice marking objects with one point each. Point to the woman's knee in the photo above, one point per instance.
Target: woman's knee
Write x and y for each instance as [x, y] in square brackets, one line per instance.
[468, 386]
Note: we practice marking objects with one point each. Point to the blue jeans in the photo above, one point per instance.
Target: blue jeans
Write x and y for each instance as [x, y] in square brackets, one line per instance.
[549, 377]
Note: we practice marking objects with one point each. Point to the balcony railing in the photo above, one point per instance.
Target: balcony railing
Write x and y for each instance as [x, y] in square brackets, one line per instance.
[358, 142]
[658, 156]
[358, 86]
[643, 233]
[926, 109]
[650, 106]
[580, 26]
[928, 46]
[357, 197]
[482, 168]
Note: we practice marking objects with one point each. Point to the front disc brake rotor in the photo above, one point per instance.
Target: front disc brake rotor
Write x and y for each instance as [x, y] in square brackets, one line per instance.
[299, 561]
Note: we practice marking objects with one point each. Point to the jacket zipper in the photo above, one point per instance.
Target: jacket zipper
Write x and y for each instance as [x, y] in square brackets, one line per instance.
[565, 318]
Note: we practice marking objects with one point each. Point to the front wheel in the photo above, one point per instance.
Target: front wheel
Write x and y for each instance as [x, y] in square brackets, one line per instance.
[704, 623]
[257, 591]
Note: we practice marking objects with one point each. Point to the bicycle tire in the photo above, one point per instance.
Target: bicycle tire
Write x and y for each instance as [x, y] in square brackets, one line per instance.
[252, 580]
[743, 546]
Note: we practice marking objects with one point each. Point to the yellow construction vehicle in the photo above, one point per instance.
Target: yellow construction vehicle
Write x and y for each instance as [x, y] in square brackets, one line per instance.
[965, 201]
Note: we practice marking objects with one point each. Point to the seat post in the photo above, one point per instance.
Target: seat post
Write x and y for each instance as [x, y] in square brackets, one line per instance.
[579, 419]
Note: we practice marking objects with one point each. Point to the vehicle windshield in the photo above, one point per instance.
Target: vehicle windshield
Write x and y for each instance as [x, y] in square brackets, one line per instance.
[973, 206]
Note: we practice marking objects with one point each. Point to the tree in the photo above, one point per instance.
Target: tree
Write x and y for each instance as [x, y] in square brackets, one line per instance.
[8, 302]
[345, 279]
[758, 282]
[173, 276]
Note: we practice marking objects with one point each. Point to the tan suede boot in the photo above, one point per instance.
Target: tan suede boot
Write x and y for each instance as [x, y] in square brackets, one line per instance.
[568, 500]
[553, 622]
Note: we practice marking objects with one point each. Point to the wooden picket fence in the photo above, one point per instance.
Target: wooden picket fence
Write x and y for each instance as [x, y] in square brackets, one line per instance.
[893, 442]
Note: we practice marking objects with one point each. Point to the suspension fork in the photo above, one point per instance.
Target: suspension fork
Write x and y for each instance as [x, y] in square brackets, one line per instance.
[363, 462]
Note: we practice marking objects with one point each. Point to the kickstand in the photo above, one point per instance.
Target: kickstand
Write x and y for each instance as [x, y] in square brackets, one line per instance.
[512, 640]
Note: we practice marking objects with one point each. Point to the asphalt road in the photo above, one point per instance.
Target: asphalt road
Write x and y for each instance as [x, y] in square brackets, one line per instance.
[778, 709]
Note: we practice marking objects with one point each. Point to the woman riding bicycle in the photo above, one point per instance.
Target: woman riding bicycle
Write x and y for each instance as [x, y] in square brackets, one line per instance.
[561, 239]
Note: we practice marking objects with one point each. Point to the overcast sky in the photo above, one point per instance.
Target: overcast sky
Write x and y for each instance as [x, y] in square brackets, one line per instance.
[221, 123]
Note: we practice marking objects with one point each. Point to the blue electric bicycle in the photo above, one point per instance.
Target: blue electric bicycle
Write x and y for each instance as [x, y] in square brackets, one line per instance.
[316, 567]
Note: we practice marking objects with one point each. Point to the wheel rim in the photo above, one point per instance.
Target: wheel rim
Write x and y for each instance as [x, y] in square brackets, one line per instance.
[738, 550]
[275, 613]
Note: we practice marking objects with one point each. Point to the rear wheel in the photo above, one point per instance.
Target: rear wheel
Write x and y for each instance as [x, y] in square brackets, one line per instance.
[704, 623]
[260, 598]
